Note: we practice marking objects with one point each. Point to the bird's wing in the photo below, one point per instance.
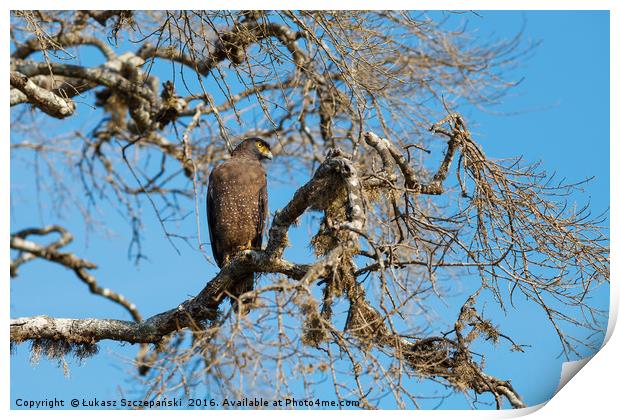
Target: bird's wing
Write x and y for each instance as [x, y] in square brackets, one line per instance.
[212, 190]
[263, 211]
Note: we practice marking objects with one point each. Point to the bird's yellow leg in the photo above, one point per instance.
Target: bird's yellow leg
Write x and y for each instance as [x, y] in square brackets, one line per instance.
[246, 246]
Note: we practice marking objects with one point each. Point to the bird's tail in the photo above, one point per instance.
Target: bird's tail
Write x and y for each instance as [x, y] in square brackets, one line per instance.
[240, 286]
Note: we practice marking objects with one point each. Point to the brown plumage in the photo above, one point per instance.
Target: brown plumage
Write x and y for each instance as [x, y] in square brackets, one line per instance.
[237, 206]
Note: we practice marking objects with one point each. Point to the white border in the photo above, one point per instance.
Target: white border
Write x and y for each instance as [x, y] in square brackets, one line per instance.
[593, 393]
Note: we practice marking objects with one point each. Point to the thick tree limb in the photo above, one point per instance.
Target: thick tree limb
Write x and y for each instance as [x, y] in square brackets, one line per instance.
[47, 101]
[201, 308]
[64, 39]
[99, 75]
[102, 16]
[304, 198]
[386, 149]
[63, 87]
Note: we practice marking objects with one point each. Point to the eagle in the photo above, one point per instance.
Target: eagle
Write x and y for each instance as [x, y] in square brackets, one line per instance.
[237, 207]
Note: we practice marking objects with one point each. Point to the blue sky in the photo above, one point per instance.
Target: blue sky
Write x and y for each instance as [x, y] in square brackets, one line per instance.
[559, 114]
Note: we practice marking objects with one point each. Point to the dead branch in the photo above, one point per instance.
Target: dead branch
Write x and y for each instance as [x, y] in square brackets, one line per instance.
[30, 250]
[45, 100]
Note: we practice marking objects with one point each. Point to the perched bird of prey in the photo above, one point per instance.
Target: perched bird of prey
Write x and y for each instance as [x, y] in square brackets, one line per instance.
[237, 206]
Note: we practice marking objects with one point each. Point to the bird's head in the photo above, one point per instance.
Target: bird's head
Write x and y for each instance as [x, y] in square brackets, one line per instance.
[253, 148]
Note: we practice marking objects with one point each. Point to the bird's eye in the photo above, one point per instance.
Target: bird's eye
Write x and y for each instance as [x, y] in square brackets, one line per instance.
[262, 147]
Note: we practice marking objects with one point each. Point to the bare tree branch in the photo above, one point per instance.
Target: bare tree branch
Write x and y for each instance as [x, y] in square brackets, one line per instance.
[30, 250]
[47, 101]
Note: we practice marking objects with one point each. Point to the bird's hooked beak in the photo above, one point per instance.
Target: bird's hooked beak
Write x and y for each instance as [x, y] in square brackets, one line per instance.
[268, 155]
